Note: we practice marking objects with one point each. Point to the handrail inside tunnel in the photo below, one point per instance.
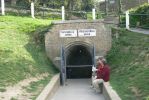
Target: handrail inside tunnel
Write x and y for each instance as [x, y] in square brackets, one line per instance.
[79, 65]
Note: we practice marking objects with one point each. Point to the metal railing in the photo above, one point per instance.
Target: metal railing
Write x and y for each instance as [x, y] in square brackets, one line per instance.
[79, 66]
[135, 20]
[40, 12]
[139, 20]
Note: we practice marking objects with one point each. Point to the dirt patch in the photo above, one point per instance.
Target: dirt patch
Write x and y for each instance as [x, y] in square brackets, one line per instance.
[136, 92]
[17, 91]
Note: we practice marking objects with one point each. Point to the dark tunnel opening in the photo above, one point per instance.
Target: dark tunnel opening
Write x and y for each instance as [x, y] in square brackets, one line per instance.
[79, 62]
[79, 55]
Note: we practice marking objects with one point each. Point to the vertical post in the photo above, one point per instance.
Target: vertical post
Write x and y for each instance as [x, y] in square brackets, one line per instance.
[127, 20]
[148, 1]
[119, 11]
[94, 55]
[105, 7]
[63, 70]
[120, 6]
[93, 14]
[63, 13]
[32, 10]
[3, 7]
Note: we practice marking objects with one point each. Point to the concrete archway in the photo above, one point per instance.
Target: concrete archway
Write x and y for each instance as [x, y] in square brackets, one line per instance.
[53, 40]
[79, 59]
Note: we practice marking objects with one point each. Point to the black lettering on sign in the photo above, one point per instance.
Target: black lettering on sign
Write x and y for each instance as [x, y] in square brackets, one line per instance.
[67, 34]
[86, 33]
[69, 31]
[83, 31]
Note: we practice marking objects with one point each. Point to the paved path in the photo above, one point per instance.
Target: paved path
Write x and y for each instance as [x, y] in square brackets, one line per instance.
[77, 89]
[139, 30]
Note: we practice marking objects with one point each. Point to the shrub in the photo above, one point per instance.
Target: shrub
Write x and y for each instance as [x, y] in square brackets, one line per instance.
[71, 15]
[139, 16]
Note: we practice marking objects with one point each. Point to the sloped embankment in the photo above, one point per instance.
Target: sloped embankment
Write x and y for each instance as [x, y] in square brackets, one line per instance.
[22, 54]
[129, 61]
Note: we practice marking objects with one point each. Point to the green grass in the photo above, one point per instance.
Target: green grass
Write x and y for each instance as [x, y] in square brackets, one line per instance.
[89, 16]
[22, 53]
[36, 87]
[98, 15]
[129, 61]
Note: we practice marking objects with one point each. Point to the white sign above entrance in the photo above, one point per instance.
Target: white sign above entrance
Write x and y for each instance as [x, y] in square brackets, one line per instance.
[68, 33]
[86, 32]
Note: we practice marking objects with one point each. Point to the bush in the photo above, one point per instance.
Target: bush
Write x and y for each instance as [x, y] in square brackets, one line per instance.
[139, 16]
[122, 20]
[71, 15]
[23, 3]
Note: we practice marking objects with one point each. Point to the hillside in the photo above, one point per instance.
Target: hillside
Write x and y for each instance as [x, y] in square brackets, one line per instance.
[22, 54]
[129, 61]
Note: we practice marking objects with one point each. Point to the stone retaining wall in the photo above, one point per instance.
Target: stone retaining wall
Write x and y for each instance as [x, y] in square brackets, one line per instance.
[50, 89]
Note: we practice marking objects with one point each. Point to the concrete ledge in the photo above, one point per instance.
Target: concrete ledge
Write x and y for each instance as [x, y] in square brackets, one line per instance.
[109, 93]
[50, 89]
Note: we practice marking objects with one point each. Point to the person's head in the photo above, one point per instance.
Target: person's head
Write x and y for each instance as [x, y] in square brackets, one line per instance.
[102, 61]
[99, 59]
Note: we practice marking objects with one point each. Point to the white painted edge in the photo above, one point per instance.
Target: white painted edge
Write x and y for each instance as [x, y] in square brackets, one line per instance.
[50, 89]
[109, 93]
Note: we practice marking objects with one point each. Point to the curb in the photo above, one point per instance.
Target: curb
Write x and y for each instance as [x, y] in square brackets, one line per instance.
[50, 89]
[109, 93]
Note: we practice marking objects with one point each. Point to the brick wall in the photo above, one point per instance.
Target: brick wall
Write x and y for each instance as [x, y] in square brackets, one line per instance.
[53, 42]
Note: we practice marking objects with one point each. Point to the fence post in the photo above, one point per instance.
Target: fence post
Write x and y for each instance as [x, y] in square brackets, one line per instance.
[3, 7]
[93, 14]
[127, 20]
[63, 13]
[32, 10]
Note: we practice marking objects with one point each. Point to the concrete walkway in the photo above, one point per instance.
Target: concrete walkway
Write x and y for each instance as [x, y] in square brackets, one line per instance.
[139, 30]
[77, 89]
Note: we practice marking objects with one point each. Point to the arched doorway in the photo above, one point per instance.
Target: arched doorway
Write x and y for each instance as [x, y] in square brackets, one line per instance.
[79, 61]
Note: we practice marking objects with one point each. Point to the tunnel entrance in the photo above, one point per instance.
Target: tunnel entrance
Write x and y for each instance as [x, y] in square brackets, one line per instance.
[79, 62]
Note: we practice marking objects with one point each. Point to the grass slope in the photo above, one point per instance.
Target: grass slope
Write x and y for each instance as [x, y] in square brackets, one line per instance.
[22, 52]
[129, 61]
